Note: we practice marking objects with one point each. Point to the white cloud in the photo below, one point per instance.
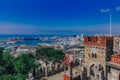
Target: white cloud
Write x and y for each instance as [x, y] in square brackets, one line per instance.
[105, 10]
[118, 8]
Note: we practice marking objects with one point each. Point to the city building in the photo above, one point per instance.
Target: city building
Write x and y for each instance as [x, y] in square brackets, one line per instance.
[24, 49]
[114, 67]
[116, 44]
[98, 50]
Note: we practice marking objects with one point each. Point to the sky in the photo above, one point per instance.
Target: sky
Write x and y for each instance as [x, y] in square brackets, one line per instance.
[59, 16]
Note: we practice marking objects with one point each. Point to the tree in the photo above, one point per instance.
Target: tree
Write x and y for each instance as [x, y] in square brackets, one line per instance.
[2, 70]
[15, 68]
[8, 63]
[6, 66]
[13, 77]
[7, 77]
[50, 54]
[1, 56]
[24, 63]
[43, 52]
[56, 55]
[20, 76]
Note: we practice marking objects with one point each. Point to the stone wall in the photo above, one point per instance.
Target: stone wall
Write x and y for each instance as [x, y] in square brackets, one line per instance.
[97, 51]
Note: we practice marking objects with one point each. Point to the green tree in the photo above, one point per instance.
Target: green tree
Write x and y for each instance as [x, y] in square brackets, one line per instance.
[50, 54]
[24, 63]
[20, 76]
[7, 77]
[13, 77]
[8, 63]
[15, 68]
[1, 56]
[43, 51]
[56, 55]
[2, 70]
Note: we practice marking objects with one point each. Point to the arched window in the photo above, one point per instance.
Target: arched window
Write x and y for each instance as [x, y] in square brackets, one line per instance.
[92, 73]
[92, 55]
[95, 55]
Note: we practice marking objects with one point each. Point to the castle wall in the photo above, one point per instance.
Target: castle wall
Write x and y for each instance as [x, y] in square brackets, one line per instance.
[97, 51]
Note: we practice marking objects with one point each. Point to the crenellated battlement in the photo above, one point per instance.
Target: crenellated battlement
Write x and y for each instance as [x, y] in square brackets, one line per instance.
[102, 41]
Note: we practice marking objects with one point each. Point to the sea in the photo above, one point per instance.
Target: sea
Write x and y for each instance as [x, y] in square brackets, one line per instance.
[27, 39]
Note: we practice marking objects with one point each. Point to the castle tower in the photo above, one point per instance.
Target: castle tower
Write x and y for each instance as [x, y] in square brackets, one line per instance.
[97, 51]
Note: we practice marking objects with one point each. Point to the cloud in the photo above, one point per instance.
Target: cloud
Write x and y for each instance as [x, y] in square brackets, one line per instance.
[118, 8]
[105, 10]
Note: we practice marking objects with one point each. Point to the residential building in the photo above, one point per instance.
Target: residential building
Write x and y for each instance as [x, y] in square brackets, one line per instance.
[114, 67]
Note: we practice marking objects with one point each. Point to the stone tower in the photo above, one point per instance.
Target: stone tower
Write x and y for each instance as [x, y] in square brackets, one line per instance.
[97, 51]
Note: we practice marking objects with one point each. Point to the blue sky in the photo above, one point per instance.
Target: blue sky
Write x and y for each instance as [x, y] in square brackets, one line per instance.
[58, 16]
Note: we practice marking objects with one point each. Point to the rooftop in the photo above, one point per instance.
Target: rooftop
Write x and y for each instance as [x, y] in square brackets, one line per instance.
[115, 61]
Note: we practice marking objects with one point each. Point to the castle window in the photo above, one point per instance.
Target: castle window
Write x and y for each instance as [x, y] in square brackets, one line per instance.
[92, 73]
[92, 55]
[95, 55]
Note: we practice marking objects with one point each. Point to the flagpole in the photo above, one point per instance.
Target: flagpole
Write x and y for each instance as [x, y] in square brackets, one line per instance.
[110, 24]
[110, 15]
